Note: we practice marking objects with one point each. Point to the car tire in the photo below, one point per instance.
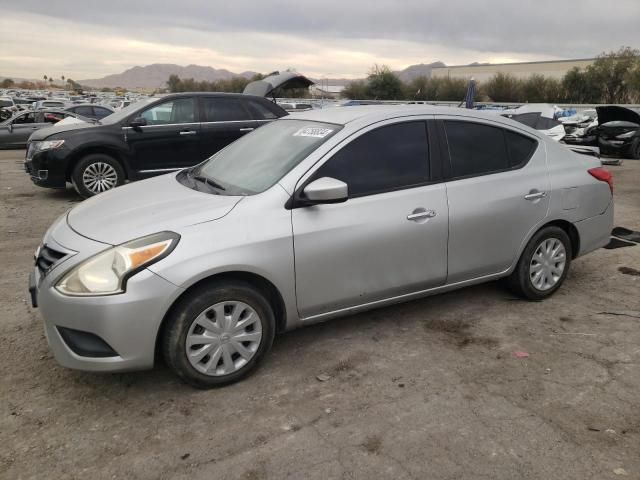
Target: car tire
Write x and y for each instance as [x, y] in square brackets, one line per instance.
[214, 313]
[96, 173]
[634, 149]
[540, 271]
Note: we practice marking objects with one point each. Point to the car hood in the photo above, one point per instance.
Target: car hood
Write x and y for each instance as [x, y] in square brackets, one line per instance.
[43, 133]
[612, 113]
[146, 207]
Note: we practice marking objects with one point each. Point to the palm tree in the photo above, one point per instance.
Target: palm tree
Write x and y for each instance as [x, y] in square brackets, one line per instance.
[45, 78]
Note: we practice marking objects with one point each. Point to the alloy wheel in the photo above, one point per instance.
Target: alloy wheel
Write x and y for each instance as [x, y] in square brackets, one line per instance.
[547, 264]
[99, 177]
[223, 338]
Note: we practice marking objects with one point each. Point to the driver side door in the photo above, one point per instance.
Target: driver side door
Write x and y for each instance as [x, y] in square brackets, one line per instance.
[169, 141]
[21, 129]
[388, 239]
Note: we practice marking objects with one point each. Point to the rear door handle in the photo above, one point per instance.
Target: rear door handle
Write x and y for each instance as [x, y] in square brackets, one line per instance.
[535, 195]
[188, 132]
[418, 215]
[247, 129]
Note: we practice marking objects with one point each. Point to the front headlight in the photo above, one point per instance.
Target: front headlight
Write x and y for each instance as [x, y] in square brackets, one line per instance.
[48, 145]
[107, 272]
[627, 134]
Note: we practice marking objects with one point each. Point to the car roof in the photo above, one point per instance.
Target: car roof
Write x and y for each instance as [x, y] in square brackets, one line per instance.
[369, 114]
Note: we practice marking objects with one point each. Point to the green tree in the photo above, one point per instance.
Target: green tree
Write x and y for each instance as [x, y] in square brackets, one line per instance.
[7, 83]
[356, 90]
[503, 87]
[450, 89]
[611, 71]
[383, 84]
[534, 89]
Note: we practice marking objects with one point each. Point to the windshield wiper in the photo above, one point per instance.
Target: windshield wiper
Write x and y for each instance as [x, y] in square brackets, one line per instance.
[206, 180]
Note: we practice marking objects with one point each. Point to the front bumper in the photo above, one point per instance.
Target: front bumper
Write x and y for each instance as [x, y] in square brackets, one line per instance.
[126, 323]
[46, 169]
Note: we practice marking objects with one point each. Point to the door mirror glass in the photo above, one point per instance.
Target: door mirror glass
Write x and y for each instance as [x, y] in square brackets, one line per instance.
[138, 122]
[326, 190]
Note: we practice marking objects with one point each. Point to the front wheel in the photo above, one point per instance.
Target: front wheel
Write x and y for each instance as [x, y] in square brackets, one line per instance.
[96, 173]
[218, 333]
[543, 265]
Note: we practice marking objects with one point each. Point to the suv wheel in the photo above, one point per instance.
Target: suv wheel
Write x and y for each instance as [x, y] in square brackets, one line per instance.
[218, 333]
[96, 173]
[543, 266]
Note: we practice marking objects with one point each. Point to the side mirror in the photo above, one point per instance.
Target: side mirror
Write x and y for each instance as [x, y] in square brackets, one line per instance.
[138, 122]
[326, 190]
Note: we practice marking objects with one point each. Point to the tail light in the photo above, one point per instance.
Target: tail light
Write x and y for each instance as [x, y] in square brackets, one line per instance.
[603, 175]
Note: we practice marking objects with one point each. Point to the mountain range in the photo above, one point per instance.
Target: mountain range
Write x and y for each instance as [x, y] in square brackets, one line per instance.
[157, 74]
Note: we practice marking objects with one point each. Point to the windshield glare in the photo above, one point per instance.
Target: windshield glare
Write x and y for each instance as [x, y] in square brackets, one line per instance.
[126, 111]
[258, 160]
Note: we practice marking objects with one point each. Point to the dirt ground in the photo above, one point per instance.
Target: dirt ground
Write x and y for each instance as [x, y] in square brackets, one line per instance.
[426, 390]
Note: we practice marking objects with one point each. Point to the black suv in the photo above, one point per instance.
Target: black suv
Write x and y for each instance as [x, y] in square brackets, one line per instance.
[148, 138]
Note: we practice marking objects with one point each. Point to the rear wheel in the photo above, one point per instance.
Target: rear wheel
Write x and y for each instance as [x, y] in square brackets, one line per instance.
[218, 333]
[543, 266]
[634, 150]
[96, 173]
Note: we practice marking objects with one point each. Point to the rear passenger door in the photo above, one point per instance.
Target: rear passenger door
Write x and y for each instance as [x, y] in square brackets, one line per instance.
[224, 120]
[497, 190]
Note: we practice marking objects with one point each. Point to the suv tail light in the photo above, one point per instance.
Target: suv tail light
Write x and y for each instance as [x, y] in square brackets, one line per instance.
[603, 175]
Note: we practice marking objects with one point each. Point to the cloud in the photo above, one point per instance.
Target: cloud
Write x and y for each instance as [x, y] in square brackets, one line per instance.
[335, 38]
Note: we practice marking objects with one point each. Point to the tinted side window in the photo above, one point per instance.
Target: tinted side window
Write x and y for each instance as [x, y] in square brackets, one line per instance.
[223, 110]
[25, 118]
[520, 148]
[181, 110]
[100, 112]
[84, 111]
[475, 149]
[259, 111]
[388, 158]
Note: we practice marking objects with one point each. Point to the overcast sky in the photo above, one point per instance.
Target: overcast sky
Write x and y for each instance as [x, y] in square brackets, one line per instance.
[90, 39]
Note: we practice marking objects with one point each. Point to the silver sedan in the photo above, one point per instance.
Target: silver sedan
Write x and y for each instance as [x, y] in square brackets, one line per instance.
[315, 216]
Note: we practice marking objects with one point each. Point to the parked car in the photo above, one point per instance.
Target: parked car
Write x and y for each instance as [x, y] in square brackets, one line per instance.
[616, 130]
[57, 103]
[88, 110]
[145, 139]
[383, 204]
[15, 132]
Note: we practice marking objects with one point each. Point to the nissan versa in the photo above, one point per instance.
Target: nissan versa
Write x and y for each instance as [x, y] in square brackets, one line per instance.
[317, 215]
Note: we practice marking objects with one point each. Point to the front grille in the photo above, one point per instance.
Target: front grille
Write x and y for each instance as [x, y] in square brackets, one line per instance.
[47, 257]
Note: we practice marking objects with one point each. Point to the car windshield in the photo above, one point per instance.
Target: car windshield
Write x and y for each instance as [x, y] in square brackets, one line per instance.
[6, 103]
[126, 111]
[257, 161]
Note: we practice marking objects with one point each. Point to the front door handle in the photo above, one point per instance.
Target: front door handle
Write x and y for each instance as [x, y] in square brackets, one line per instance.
[419, 214]
[247, 129]
[535, 195]
[188, 132]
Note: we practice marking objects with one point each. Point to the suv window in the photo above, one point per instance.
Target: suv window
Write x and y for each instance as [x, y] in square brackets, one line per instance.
[475, 149]
[25, 118]
[223, 110]
[385, 159]
[181, 110]
[259, 111]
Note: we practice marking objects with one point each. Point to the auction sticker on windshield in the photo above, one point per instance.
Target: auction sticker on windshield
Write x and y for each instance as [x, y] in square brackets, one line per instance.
[316, 132]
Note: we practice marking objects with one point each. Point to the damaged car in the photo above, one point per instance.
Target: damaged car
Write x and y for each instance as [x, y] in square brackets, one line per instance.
[618, 131]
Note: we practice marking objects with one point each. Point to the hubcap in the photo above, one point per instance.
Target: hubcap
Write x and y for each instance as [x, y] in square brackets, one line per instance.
[99, 177]
[547, 264]
[223, 338]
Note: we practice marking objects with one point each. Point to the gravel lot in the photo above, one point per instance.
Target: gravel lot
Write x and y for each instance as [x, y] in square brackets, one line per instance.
[428, 389]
